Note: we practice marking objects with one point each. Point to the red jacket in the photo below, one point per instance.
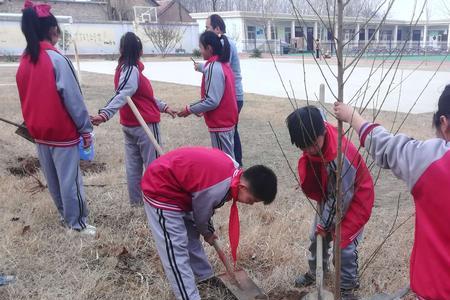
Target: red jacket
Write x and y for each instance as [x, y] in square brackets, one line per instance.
[143, 98]
[188, 179]
[51, 99]
[218, 103]
[425, 167]
[356, 183]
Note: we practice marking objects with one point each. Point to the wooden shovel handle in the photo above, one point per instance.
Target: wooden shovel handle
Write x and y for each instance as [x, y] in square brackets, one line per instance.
[150, 135]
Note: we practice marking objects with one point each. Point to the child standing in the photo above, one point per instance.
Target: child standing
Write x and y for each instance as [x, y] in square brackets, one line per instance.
[54, 113]
[216, 24]
[317, 171]
[218, 103]
[129, 81]
[424, 166]
[181, 191]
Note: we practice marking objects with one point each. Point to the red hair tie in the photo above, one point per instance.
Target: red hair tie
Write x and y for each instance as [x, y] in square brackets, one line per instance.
[42, 9]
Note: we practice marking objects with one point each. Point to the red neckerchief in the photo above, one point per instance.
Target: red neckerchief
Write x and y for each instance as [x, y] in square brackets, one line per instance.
[233, 224]
[140, 66]
[312, 169]
[46, 45]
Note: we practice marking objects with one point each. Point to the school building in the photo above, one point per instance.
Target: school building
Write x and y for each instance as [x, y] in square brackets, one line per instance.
[284, 32]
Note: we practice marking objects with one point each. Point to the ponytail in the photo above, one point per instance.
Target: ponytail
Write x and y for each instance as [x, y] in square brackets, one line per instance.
[209, 38]
[30, 28]
[36, 28]
[225, 56]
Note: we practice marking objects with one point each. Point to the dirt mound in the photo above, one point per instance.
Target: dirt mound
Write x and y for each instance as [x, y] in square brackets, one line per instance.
[287, 295]
[24, 166]
[92, 166]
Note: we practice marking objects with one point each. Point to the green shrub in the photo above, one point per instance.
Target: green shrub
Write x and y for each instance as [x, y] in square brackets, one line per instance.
[256, 53]
[196, 53]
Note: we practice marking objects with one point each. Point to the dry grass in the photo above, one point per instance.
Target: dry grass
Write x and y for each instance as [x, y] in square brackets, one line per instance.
[122, 263]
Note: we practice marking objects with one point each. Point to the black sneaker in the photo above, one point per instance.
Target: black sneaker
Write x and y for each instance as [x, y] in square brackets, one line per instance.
[305, 280]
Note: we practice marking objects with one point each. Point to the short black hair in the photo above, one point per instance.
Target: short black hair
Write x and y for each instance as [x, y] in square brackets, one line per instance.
[443, 107]
[262, 183]
[305, 125]
[217, 21]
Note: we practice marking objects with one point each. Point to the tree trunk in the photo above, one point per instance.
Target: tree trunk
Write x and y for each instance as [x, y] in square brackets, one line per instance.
[338, 217]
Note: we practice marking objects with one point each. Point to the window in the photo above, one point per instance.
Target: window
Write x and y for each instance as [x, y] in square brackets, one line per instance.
[287, 34]
[298, 31]
[274, 33]
[362, 35]
[251, 32]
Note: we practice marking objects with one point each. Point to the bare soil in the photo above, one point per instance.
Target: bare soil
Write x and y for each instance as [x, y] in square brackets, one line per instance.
[121, 263]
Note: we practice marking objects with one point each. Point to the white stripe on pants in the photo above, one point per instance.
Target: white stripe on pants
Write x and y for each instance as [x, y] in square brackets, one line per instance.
[61, 168]
[139, 153]
[223, 140]
[180, 250]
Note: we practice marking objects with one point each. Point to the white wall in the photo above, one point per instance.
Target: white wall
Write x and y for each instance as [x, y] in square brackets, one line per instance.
[93, 38]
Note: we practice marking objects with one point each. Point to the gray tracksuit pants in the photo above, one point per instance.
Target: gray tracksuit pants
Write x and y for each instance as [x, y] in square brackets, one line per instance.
[139, 153]
[180, 250]
[61, 168]
[223, 140]
[349, 258]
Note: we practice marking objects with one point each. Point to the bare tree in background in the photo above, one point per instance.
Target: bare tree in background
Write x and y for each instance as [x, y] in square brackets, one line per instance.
[305, 7]
[120, 10]
[165, 37]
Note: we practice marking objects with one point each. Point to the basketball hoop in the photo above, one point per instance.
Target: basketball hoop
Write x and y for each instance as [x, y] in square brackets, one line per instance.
[145, 15]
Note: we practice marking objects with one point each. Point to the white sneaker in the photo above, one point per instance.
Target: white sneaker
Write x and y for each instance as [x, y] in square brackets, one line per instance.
[89, 230]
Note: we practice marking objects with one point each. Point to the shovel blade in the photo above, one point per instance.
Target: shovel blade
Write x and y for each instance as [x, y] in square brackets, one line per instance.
[243, 288]
[23, 132]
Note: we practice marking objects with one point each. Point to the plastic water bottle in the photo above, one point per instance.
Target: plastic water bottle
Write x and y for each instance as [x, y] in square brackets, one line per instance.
[86, 153]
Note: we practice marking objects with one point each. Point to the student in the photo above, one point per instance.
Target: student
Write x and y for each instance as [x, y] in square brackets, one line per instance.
[181, 191]
[218, 103]
[424, 166]
[216, 24]
[54, 113]
[317, 49]
[129, 81]
[317, 171]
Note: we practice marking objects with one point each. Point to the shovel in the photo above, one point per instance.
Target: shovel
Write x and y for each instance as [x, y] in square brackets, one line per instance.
[320, 293]
[21, 130]
[237, 282]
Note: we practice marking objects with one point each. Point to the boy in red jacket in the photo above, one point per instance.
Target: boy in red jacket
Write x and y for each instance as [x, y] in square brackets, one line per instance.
[317, 171]
[181, 191]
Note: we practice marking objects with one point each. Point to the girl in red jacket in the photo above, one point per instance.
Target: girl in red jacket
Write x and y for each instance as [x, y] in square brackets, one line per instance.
[129, 81]
[54, 112]
[218, 102]
[424, 166]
